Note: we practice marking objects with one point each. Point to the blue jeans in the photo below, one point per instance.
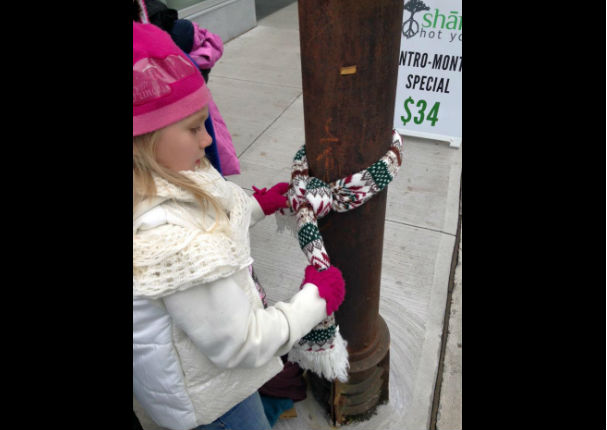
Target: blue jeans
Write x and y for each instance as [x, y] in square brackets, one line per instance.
[247, 415]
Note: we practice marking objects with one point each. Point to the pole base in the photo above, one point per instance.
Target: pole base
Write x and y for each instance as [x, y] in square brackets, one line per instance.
[367, 386]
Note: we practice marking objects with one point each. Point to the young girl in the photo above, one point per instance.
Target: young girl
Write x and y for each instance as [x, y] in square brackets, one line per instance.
[202, 341]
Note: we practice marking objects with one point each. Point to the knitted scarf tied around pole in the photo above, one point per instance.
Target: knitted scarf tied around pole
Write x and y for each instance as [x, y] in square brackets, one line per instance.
[323, 350]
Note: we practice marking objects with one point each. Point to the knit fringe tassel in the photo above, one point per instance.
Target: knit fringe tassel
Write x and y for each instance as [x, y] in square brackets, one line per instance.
[330, 364]
[286, 222]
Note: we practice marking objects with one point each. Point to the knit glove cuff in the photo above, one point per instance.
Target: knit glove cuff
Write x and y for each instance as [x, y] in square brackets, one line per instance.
[273, 199]
[330, 284]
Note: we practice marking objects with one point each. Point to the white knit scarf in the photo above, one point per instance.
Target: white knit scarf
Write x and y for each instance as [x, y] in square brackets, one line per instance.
[183, 253]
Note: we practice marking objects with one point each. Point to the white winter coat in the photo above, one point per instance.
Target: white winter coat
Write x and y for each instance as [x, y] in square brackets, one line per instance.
[202, 341]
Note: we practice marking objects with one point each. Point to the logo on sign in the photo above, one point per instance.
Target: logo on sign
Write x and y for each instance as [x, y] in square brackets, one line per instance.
[435, 23]
[411, 26]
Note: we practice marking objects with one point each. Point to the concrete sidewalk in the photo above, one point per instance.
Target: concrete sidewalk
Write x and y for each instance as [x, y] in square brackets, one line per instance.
[257, 88]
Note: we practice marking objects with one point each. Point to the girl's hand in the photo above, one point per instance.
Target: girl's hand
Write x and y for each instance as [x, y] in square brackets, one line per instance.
[331, 285]
[273, 199]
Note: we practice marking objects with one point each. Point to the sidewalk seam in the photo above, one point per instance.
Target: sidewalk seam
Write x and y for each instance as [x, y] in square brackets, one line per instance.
[293, 87]
[269, 125]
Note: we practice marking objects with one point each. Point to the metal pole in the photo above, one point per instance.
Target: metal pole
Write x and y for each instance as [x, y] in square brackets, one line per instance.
[349, 53]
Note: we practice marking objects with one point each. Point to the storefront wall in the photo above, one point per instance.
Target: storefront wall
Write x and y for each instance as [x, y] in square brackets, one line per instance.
[226, 18]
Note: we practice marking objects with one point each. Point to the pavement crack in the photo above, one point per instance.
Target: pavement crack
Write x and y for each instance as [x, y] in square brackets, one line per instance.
[420, 227]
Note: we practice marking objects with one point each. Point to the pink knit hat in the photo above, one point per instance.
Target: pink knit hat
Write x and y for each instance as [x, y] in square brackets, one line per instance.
[167, 87]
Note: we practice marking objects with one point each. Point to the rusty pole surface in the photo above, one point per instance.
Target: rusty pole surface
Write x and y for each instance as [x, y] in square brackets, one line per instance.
[349, 55]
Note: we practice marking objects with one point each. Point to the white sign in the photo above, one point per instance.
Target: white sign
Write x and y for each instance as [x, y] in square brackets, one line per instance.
[429, 87]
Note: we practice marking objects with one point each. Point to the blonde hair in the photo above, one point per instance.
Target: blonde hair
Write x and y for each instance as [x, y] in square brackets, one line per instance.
[145, 166]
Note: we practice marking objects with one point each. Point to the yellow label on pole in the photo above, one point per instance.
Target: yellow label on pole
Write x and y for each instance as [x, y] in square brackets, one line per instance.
[349, 70]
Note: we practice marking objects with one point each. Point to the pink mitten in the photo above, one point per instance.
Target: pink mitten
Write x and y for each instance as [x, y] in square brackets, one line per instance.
[272, 199]
[330, 283]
